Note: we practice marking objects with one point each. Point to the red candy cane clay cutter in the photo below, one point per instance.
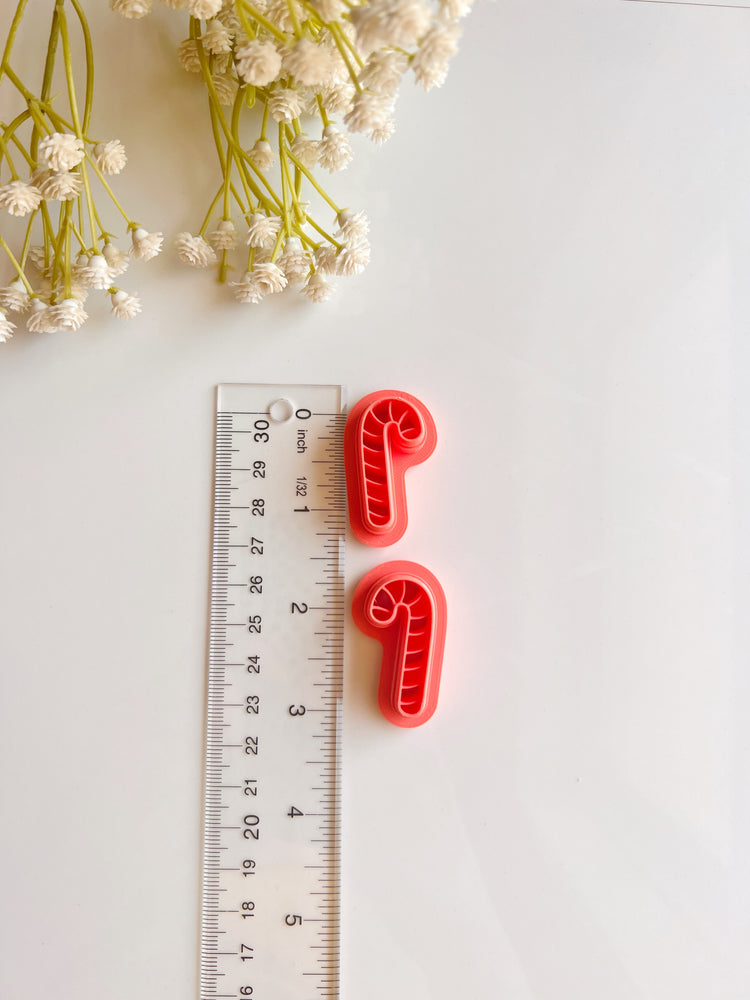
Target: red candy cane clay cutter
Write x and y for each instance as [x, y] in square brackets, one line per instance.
[386, 433]
[402, 605]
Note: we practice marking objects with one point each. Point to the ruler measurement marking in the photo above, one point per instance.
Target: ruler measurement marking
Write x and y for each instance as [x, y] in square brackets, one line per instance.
[321, 459]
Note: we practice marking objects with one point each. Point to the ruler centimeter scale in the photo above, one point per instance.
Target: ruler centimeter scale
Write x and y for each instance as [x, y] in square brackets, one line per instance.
[271, 842]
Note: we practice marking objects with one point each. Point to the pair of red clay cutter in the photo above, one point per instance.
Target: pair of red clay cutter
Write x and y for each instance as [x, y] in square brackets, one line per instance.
[401, 604]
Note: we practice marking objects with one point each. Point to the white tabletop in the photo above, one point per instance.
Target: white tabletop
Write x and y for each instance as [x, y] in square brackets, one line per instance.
[560, 272]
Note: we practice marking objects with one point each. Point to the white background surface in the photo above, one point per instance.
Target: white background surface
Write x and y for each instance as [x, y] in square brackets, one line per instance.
[560, 271]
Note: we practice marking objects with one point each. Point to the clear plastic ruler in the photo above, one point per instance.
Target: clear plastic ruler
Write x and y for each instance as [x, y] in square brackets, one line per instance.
[271, 845]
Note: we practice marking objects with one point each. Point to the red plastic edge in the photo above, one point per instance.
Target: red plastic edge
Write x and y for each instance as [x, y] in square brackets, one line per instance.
[386, 433]
[402, 605]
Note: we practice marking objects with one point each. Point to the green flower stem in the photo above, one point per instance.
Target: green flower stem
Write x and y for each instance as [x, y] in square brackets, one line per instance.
[61, 270]
[238, 200]
[89, 49]
[49, 61]
[48, 230]
[277, 246]
[314, 183]
[293, 18]
[250, 29]
[321, 107]
[19, 85]
[264, 122]
[244, 7]
[68, 64]
[67, 270]
[9, 135]
[78, 233]
[211, 207]
[27, 238]
[16, 265]
[70, 80]
[227, 161]
[324, 234]
[291, 132]
[315, 17]
[336, 27]
[219, 118]
[285, 178]
[339, 38]
[12, 31]
[89, 203]
[102, 230]
[103, 181]
[6, 155]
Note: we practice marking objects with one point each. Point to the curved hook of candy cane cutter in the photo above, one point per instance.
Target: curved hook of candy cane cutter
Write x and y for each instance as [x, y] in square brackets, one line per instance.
[386, 433]
[402, 605]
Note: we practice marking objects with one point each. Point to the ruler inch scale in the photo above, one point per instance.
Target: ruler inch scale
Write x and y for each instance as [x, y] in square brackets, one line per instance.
[272, 768]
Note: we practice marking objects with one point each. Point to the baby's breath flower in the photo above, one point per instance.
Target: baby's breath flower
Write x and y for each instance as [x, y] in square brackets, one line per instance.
[383, 71]
[131, 8]
[353, 226]
[261, 155]
[117, 260]
[263, 279]
[226, 89]
[262, 230]
[228, 16]
[124, 306]
[187, 53]
[204, 9]
[383, 130]
[14, 297]
[278, 12]
[325, 259]
[258, 63]
[308, 62]
[406, 21]
[37, 257]
[95, 272]
[294, 261]
[353, 258]
[68, 314]
[194, 250]
[19, 198]
[317, 288]
[6, 328]
[396, 23]
[110, 156]
[61, 151]
[223, 64]
[306, 150]
[368, 113]
[217, 38]
[338, 98]
[430, 63]
[79, 267]
[329, 10]
[335, 152]
[146, 245]
[453, 10]
[38, 319]
[368, 24]
[285, 104]
[224, 237]
[59, 186]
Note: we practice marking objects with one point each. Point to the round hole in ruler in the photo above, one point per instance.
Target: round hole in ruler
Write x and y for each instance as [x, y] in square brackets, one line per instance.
[281, 410]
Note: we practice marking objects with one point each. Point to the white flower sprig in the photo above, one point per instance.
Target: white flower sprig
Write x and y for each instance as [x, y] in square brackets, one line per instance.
[51, 168]
[303, 74]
